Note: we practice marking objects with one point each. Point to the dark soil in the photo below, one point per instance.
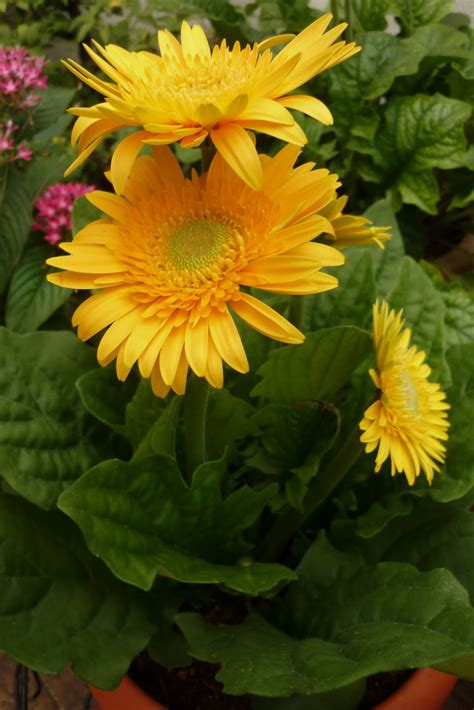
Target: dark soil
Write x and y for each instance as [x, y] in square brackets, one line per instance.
[192, 688]
[381, 686]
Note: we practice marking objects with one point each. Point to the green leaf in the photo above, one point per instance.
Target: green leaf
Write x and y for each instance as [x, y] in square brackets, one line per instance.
[435, 536]
[48, 115]
[459, 308]
[457, 477]
[83, 212]
[142, 519]
[423, 310]
[370, 14]
[141, 412]
[359, 621]
[315, 370]
[161, 437]
[413, 13]
[105, 397]
[60, 605]
[351, 302]
[31, 299]
[15, 221]
[390, 507]
[228, 421]
[372, 72]
[437, 40]
[421, 133]
[42, 423]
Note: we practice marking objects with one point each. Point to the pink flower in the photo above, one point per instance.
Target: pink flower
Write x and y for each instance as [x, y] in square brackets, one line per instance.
[23, 153]
[54, 208]
[20, 75]
[9, 152]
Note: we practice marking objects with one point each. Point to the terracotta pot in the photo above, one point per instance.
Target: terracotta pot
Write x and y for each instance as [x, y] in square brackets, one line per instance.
[426, 689]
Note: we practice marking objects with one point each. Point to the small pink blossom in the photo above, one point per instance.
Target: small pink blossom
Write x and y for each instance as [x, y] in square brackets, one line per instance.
[54, 208]
[20, 77]
[9, 152]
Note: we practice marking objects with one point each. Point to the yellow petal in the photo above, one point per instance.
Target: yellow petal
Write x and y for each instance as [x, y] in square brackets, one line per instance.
[265, 320]
[194, 42]
[170, 354]
[196, 345]
[238, 150]
[227, 340]
[179, 382]
[123, 158]
[117, 333]
[267, 110]
[309, 105]
[214, 371]
[113, 205]
[160, 389]
[102, 309]
[274, 41]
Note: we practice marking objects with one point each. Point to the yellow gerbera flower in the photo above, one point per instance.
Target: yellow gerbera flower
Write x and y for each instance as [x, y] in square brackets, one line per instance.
[409, 421]
[171, 260]
[351, 230]
[191, 92]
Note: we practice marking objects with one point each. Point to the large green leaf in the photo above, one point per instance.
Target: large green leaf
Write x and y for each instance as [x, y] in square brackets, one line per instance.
[60, 605]
[421, 133]
[42, 423]
[372, 72]
[315, 370]
[142, 519]
[423, 310]
[31, 299]
[352, 621]
[413, 13]
[228, 421]
[351, 302]
[457, 476]
[49, 116]
[459, 308]
[105, 397]
[370, 14]
[16, 206]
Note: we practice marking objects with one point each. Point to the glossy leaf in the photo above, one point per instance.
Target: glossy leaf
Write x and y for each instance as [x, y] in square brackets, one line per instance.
[142, 520]
[315, 370]
[43, 447]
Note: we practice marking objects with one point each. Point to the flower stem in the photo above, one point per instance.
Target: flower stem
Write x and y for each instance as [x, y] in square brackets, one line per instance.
[296, 311]
[195, 410]
[335, 11]
[288, 524]
[208, 151]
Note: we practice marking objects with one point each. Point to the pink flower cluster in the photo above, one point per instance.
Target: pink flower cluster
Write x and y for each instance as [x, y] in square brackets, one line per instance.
[54, 207]
[20, 75]
[8, 150]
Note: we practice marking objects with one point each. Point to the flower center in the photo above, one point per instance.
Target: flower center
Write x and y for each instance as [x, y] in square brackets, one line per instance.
[197, 244]
[409, 391]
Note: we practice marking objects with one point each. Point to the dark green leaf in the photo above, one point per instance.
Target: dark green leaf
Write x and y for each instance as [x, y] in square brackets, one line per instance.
[31, 299]
[142, 519]
[315, 370]
[60, 605]
[161, 437]
[15, 221]
[371, 73]
[141, 412]
[413, 13]
[421, 133]
[105, 397]
[355, 621]
[423, 310]
[42, 422]
[228, 420]
[459, 308]
[83, 213]
[48, 115]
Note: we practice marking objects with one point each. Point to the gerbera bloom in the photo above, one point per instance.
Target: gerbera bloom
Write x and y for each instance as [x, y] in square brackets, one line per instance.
[172, 258]
[409, 421]
[191, 92]
[351, 230]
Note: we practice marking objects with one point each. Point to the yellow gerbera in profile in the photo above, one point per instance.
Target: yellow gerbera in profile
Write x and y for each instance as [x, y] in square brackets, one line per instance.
[409, 421]
[171, 260]
[352, 230]
[191, 92]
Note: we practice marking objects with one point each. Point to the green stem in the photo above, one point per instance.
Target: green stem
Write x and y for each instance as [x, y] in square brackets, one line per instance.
[296, 311]
[348, 19]
[288, 524]
[335, 11]
[195, 410]
[208, 151]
